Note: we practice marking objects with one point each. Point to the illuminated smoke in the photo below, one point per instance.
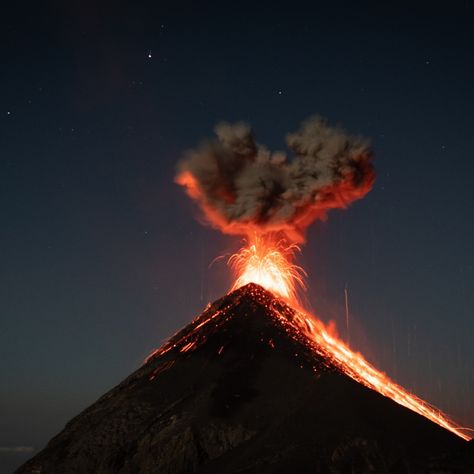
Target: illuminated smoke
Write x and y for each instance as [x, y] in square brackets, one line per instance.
[242, 187]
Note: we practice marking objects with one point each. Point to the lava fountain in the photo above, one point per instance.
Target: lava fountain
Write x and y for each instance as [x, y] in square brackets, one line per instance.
[268, 261]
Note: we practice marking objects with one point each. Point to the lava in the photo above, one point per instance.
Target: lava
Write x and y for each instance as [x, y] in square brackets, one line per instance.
[355, 366]
[267, 262]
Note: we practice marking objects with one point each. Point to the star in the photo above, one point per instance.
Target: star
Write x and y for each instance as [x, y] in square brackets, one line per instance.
[149, 54]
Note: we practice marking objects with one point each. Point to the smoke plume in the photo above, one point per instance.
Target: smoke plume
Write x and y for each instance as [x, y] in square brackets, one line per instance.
[243, 187]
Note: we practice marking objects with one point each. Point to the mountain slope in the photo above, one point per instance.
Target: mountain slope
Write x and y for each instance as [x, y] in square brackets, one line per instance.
[240, 390]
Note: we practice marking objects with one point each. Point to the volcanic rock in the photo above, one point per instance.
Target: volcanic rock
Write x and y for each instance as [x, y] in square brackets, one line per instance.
[240, 390]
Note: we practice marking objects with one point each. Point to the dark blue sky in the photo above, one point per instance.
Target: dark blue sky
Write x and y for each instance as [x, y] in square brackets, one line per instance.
[102, 255]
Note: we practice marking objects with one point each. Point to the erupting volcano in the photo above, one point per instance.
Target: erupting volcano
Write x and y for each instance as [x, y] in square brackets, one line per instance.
[256, 383]
[244, 188]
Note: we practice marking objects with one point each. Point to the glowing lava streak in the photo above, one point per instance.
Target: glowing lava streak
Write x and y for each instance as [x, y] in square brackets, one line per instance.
[267, 262]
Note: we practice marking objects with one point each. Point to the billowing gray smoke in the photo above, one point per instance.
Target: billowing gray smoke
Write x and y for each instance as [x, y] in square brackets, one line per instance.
[243, 187]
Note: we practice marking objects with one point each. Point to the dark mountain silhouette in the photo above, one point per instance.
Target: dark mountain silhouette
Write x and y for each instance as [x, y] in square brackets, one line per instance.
[239, 390]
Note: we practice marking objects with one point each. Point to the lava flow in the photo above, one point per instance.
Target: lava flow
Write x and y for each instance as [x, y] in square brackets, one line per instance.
[266, 261]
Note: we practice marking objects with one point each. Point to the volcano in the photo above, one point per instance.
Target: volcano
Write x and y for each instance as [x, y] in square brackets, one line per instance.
[242, 390]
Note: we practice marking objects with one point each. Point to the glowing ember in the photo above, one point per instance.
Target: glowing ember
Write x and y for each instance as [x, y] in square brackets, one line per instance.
[267, 262]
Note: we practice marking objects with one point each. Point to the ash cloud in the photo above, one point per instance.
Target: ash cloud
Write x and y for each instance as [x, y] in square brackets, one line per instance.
[243, 187]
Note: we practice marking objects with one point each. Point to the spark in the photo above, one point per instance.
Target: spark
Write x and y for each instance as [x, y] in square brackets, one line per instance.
[346, 301]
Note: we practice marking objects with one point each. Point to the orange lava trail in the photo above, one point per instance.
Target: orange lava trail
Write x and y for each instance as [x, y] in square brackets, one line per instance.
[355, 366]
[267, 262]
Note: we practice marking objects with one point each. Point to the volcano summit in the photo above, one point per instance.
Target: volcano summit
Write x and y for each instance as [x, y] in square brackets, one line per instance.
[242, 390]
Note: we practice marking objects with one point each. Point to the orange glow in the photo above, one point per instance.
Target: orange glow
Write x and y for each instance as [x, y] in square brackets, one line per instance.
[355, 366]
[267, 262]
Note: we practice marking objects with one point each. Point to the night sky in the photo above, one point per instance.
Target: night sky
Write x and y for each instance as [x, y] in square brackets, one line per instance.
[103, 256]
